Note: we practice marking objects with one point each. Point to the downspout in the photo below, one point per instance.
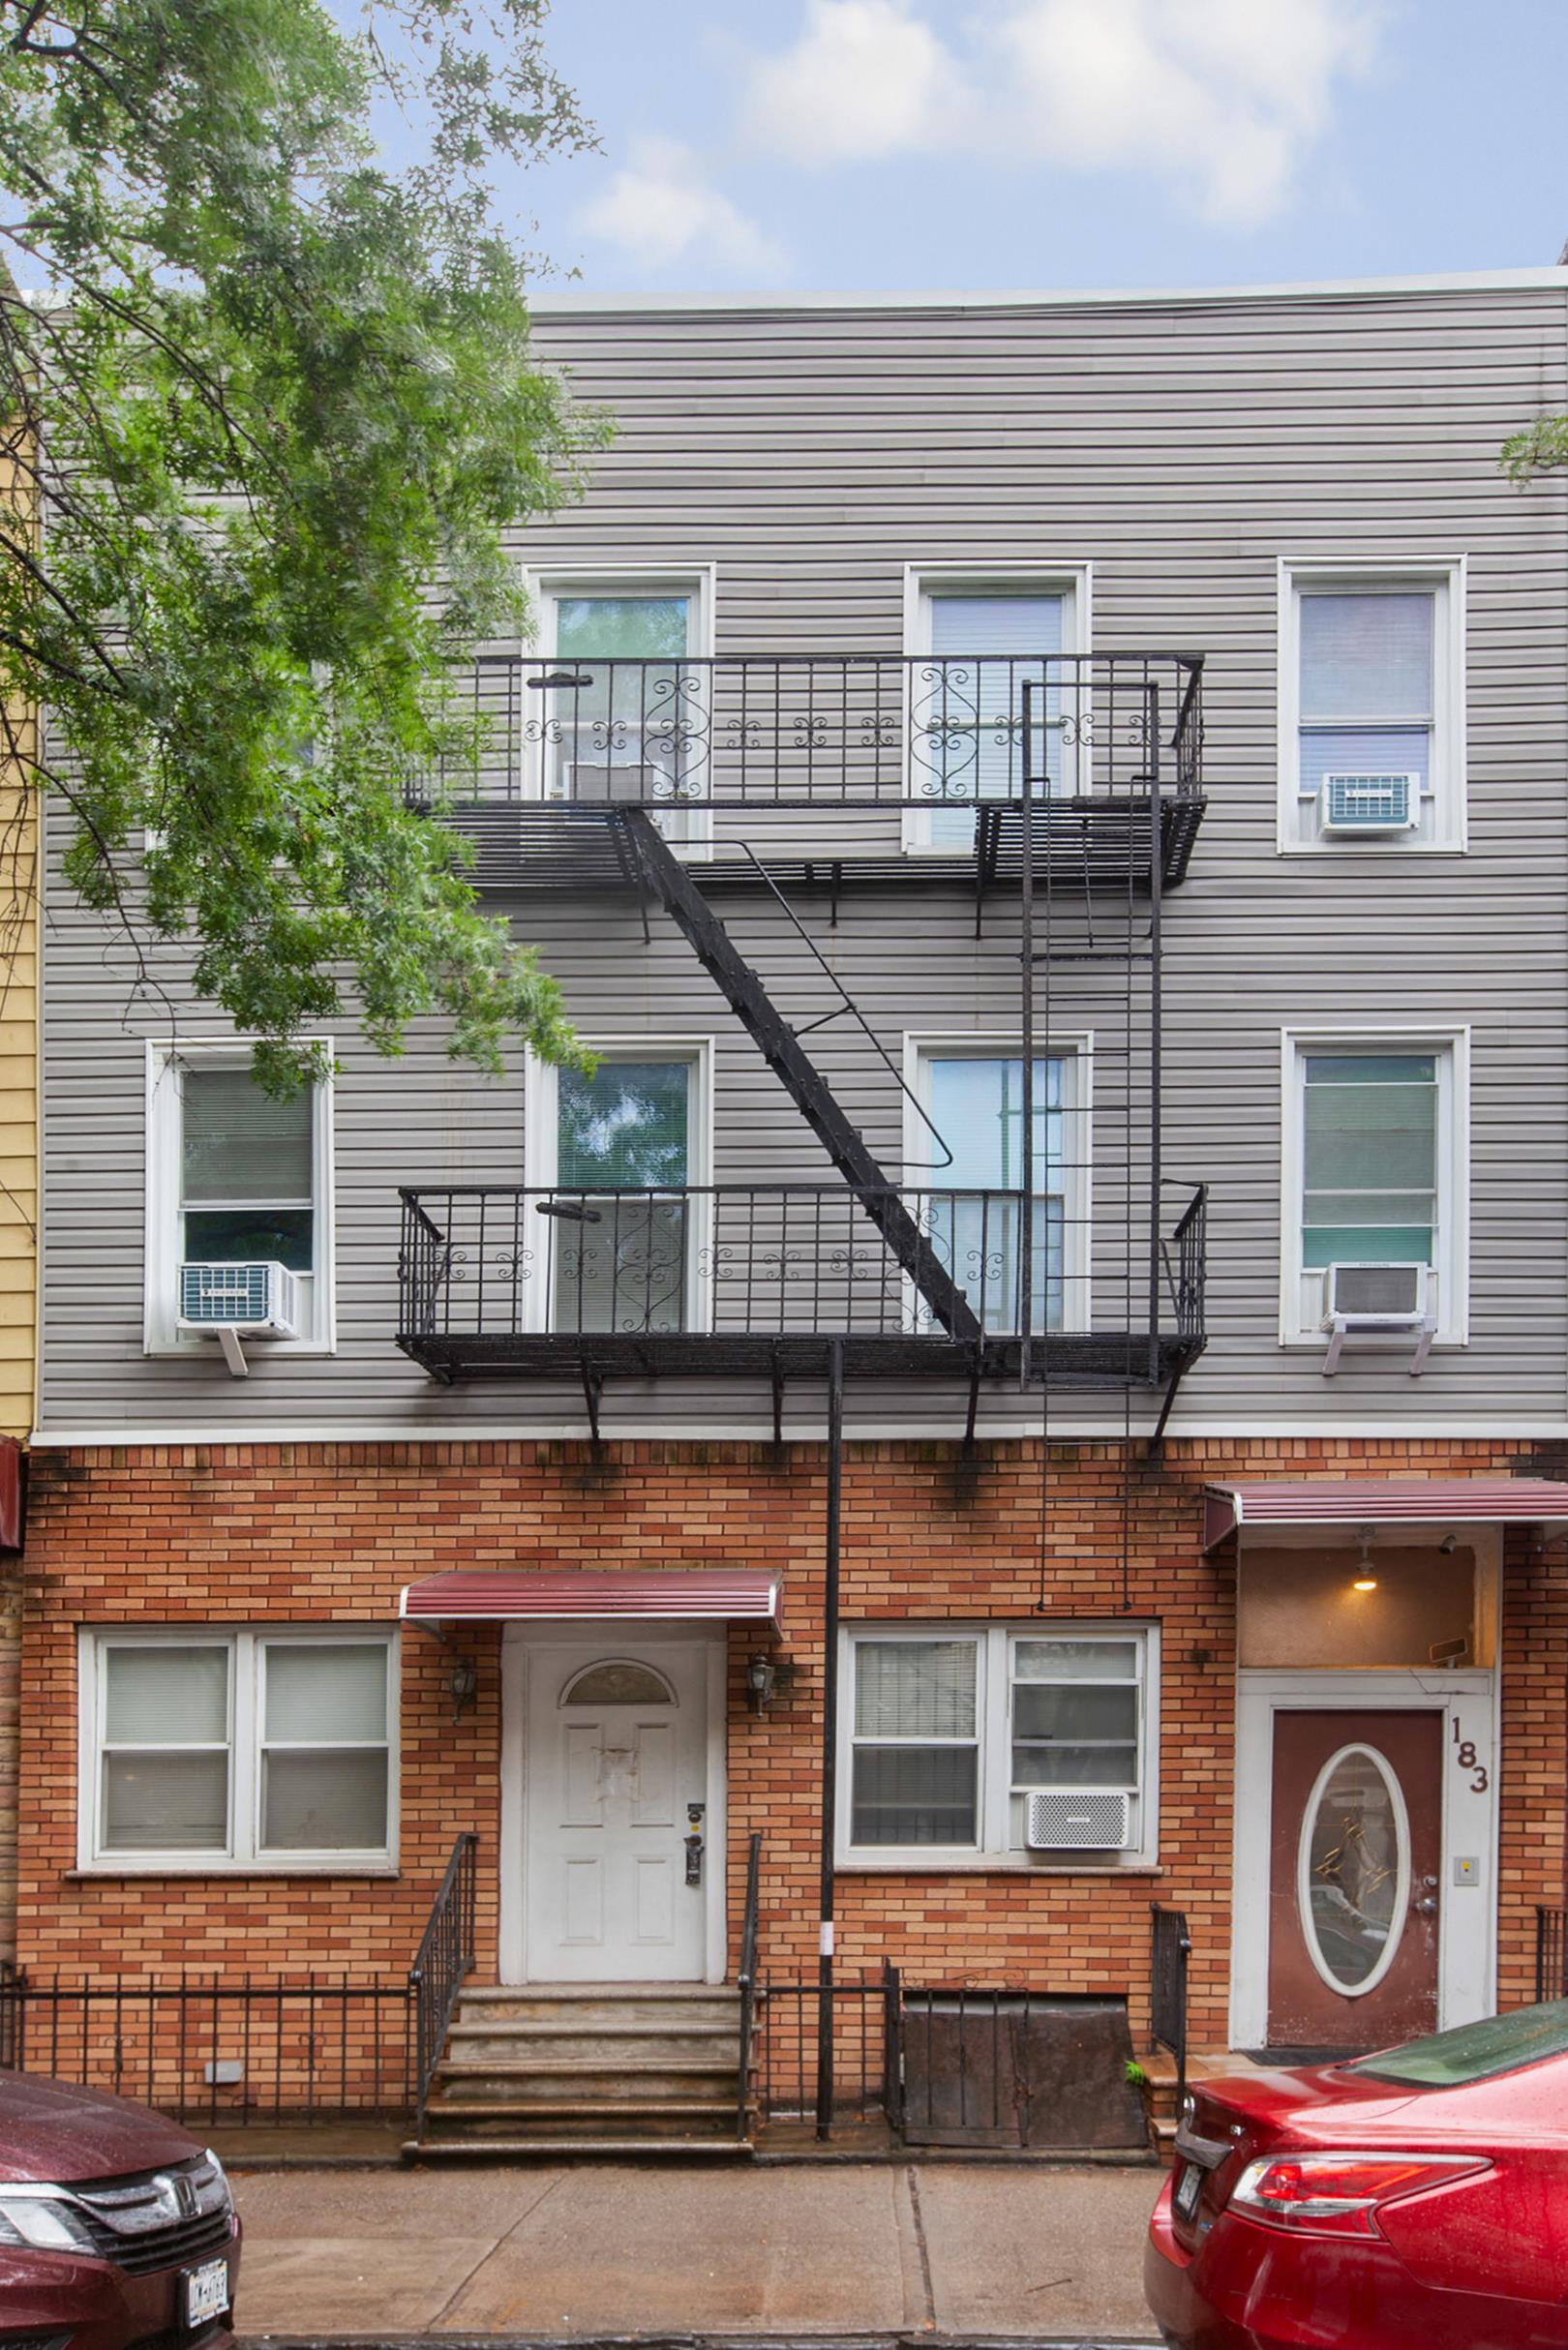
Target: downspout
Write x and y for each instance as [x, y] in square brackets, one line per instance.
[830, 1737]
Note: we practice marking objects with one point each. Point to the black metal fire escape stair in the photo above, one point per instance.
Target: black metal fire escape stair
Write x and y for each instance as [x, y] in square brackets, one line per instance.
[668, 881]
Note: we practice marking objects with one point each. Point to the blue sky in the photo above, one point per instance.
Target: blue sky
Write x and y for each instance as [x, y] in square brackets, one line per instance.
[1003, 143]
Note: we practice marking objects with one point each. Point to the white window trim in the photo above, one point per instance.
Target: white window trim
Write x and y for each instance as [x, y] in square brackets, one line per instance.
[164, 1160]
[548, 582]
[1077, 1049]
[923, 581]
[243, 1857]
[1448, 575]
[993, 1851]
[541, 1135]
[1452, 1048]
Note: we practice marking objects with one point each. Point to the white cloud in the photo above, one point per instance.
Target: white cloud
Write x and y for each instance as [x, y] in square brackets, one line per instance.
[1224, 98]
[865, 79]
[662, 208]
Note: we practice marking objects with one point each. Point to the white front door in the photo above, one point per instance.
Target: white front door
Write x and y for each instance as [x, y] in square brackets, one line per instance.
[617, 1753]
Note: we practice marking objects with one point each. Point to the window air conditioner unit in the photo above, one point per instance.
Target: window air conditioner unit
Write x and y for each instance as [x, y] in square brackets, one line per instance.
[1376, 1298]
[258, 1301]
[1371, 803]
[1077, 1819]
[590, 782]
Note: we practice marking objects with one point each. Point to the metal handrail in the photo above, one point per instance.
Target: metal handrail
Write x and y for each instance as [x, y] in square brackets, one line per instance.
[819, 730]
[746, 1979]
[787, 1259]
[444, 1959]
[1170, 1948]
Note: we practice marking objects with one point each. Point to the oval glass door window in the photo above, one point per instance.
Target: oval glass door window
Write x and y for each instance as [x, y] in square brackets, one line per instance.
[1353, 1870]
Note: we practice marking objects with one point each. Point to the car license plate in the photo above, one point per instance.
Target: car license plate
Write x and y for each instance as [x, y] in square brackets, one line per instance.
[1188, 2189]
[206, 2292]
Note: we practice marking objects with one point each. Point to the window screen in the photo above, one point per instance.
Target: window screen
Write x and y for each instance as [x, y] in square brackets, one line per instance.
[323, 1748]
[969, 705]
[1076, 1714]
[620, 1263]
[977, 1107]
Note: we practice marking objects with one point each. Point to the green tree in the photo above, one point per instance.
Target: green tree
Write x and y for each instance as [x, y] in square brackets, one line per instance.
[1541, 447]
[268, 409]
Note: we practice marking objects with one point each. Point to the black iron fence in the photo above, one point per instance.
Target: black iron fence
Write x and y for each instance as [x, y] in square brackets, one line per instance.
[755, 731]
[445, 1958]
[1550, 1953]
[514, 1263]
[209, 2050]
[1170, 1948]
[867, 2071]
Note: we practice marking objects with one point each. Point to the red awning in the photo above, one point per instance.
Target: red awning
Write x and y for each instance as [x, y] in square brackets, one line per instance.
[1379, 1501]
[712, 1595]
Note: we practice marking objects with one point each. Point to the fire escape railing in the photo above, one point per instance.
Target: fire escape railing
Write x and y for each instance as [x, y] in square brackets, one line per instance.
[754, 731]
[541, 1263]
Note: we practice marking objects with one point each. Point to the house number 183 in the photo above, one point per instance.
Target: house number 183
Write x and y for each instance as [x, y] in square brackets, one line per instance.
[1464, 1757]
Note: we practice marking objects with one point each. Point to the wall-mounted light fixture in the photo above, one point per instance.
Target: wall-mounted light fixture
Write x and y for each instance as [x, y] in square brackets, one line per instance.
[462, 1685]
[761, 1678]
[1366, 1580]
[1449, 1545]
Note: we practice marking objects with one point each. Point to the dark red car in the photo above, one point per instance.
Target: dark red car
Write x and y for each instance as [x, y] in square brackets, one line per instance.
[115, 2228]
[1413, 2200]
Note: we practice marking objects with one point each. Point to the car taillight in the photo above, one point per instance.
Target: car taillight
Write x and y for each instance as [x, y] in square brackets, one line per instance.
[1339, 2194]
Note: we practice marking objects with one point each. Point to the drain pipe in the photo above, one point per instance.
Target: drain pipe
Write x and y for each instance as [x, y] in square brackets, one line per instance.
[830, 1737]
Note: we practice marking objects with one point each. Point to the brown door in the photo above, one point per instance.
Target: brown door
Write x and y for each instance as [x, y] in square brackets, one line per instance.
[1355, 1856]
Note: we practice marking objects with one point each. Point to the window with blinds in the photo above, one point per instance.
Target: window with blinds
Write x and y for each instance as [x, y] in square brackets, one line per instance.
[1372, 717]
[238, 1749]
[236, 1178]
[947, 1731]
[247, 1173]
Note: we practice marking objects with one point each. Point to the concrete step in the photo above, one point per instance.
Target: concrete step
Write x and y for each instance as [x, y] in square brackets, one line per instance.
[600, 2002]
[553, 2150]
[663, 2120]
[627, 2082]
[525, 2046]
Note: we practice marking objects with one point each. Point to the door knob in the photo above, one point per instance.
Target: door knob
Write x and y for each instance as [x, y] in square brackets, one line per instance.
[1427, 1907]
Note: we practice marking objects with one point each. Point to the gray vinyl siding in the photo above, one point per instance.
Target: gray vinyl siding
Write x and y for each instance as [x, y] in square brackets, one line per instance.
[1181, 449]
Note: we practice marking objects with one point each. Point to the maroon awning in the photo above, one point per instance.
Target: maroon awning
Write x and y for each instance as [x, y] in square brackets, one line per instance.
[1382, 1502]
[712, 1595]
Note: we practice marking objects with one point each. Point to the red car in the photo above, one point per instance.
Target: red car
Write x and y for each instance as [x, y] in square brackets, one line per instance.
[115, 2228]
[1413, 2200]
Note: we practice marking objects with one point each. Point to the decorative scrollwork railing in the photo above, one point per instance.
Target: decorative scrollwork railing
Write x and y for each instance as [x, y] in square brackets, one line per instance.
[509, 1261]
[758, 730]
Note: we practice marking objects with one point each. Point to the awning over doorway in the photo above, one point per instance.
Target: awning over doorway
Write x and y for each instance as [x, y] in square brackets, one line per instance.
[504, 1595]
[1379, 1501]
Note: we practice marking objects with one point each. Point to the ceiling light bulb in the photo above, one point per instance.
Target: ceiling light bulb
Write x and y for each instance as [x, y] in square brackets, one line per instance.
[1365, 1582]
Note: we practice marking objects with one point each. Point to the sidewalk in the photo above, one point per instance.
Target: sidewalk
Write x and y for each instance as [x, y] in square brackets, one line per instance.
[564, 2252]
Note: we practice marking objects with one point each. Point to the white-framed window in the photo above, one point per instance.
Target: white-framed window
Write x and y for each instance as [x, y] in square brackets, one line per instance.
[235, 1177]
[977, 639]
[625, 707]
[617, 1214]
[1376, 1168]
[1372, 705]
[946, 1730]
[971, 1091]
[215, 1749]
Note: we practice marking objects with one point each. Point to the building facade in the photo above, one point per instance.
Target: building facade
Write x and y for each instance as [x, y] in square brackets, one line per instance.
[1052, 817]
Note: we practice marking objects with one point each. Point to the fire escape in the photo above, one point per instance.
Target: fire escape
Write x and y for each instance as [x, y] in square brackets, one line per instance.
[1061, 796]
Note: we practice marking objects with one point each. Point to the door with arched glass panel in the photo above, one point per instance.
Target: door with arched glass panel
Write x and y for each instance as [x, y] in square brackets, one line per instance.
[617, 1736]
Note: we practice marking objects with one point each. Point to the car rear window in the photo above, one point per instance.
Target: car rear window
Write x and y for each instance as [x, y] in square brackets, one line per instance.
[1474, 2052]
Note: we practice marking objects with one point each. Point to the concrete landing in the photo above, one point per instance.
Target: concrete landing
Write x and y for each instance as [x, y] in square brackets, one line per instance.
[581, 2252]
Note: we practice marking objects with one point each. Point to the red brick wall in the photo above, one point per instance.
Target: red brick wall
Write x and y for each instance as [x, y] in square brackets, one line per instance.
[242, 1534]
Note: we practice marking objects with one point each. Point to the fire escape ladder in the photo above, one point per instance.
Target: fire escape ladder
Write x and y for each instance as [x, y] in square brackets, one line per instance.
[670, 883]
